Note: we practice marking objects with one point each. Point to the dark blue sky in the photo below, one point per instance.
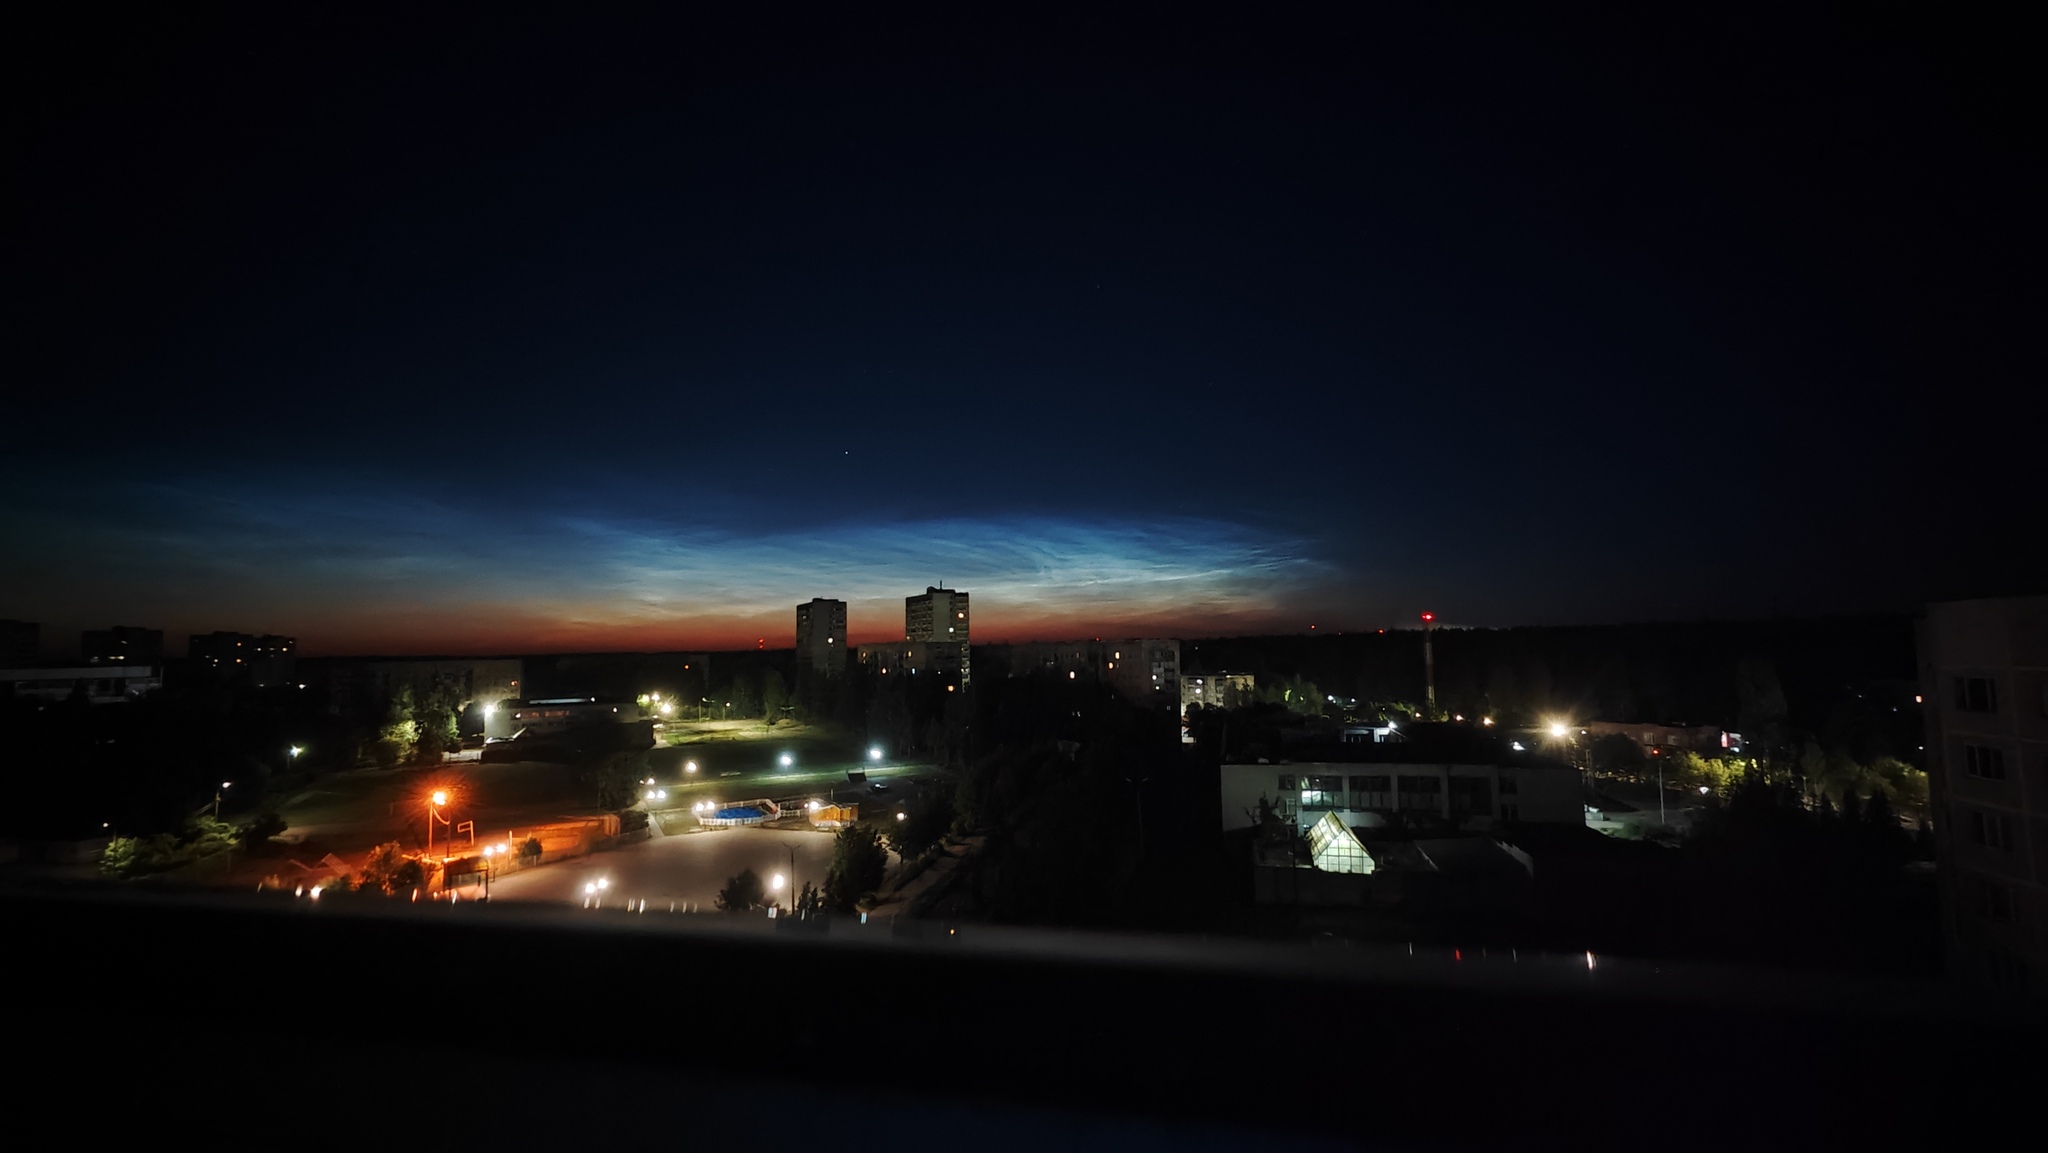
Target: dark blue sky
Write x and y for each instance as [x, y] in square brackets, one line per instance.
[477, 330]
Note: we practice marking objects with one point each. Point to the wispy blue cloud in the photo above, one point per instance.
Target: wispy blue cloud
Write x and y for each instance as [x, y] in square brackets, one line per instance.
[313, 558]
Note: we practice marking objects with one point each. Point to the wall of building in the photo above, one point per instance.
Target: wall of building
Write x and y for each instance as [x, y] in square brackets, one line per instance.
[1549, 794]
[1984, 677]
[821, 637]
[542, 717]
[1216, 690]
[122, 644]
[257, 659]
[102, 685]
[1144, 671]
[907, 658]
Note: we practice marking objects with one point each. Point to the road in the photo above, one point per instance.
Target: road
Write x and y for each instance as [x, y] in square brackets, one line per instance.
[683, 868]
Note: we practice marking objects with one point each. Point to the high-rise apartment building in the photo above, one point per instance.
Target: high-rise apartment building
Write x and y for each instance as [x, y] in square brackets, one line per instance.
[939, 617]
[122, 645]
[1984, 677]
[821, 637]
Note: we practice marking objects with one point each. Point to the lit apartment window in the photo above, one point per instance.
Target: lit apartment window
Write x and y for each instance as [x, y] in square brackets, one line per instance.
[1991, 830]
[1976, 694]
[1984, 761]
[1322, 792]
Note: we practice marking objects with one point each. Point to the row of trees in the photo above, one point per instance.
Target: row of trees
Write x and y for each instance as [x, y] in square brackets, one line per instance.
[1821, 773]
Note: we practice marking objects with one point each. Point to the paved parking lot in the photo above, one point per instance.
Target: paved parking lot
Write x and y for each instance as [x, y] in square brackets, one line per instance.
[683, 869]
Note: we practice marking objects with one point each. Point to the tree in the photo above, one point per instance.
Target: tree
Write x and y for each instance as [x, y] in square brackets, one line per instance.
[396, 738]
[774, 694]
[387, 870]
[858, 864]
[1760, 702]
[924, 825]
[1613, 754]
[437, 725]
[742, 892]
[809, 901]
[531, 850]
[614, 780]
[257, 833]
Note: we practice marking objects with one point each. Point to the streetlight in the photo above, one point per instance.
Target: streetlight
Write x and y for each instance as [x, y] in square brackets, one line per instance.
[689, 766]
[224, 787]
[787, 760]
[875, 752]
[791, 850]
[1558, 729]
[294, 752]
[435, 800]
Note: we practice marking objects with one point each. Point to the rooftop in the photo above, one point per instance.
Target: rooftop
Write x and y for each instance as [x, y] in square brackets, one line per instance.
[1420, 744]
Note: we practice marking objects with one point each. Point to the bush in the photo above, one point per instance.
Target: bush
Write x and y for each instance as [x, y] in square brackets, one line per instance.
[388, 871]
[257, 833]
[742, 893]
[134, 856]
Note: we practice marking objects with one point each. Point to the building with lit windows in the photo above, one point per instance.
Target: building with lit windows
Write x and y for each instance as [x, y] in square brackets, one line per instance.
[122, 645]
[912, 658]
[1143, 671]
[821, 637]
[940, 617]
[1442, 779]
[258, 660]
[1984, 680]
[1216, 690]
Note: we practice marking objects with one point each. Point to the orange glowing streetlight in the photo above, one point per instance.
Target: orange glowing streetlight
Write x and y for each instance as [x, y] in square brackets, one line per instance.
[435, 800]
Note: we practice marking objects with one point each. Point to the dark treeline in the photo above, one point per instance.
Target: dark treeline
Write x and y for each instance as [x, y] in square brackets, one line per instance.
[1682, 671]
[74, 769]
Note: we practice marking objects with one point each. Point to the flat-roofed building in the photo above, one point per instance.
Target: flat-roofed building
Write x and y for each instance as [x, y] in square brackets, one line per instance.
[941, 617]
[821, 637]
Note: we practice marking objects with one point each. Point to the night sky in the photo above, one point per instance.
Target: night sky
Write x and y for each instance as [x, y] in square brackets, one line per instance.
[478, 332]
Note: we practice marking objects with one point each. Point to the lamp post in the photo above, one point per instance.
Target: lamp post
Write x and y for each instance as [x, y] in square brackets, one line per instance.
[224, 787]
[435, 799]
[791, 850]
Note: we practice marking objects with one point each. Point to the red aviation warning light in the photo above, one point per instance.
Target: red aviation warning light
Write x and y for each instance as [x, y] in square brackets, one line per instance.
[1427, 617]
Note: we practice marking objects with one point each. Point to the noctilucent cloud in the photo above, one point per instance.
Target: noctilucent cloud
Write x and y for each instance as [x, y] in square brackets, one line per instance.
[390, 570]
